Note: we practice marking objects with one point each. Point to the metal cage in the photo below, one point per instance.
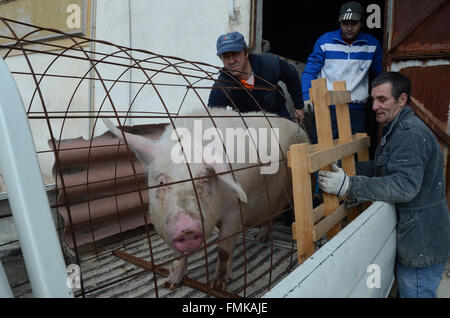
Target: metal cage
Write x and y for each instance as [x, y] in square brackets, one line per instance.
[99, 190]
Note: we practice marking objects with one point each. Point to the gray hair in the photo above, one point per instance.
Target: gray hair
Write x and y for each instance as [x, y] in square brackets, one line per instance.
[400, 84]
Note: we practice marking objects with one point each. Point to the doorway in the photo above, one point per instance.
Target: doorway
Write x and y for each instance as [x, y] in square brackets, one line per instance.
[291, 28]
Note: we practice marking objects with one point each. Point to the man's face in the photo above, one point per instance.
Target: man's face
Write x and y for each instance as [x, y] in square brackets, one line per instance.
[236, 63]
[350, 29]
[385, 106]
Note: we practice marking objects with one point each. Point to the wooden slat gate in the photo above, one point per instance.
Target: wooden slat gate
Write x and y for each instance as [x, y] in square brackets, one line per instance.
[312, 224]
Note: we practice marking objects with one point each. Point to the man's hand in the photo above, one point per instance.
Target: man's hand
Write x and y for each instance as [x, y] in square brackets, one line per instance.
[299, 114]
[334, 182]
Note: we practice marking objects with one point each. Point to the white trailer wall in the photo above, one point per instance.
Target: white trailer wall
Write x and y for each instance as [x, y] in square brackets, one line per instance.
[358, 262]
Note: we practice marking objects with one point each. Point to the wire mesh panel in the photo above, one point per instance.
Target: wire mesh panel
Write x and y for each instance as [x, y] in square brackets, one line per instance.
[149, 181]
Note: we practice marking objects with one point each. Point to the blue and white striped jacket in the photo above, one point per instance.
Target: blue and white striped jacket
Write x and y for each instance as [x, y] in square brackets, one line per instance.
[332, 58]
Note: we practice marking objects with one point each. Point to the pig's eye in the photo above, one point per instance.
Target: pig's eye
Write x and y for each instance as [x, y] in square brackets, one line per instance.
[204, 181]
[161, 179]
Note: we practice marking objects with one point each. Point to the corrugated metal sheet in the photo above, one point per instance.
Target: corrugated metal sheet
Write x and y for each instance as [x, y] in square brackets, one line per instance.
[431, 85]
[420, 28]
[98, 187]
[420, 49]
[418, 45]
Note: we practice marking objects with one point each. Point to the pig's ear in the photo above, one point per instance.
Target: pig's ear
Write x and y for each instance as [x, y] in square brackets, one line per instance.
[228, 179]
[145, 148]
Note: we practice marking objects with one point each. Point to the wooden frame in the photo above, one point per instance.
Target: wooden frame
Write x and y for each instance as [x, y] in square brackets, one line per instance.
[312, 224]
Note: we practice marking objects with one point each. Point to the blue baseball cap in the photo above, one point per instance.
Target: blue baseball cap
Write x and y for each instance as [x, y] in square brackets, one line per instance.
[230, 42]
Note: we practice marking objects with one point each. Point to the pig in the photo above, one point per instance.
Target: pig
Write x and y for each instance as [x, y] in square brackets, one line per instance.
[225, 199]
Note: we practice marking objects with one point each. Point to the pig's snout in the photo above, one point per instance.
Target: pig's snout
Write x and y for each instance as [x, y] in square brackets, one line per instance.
[188, 234]
[188, 242]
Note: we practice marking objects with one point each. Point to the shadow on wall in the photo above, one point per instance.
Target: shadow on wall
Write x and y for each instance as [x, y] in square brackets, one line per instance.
[2, 184]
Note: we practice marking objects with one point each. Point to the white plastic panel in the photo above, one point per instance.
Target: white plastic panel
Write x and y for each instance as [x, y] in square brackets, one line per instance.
[343, 266]
[27, 197]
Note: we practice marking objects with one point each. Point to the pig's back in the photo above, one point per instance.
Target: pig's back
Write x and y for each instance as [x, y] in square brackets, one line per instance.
[223, 118]
[258, 187]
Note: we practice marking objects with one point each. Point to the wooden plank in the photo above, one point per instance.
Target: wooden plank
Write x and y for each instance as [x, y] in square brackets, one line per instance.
[325, 157]
[342, 114]
[325, 139]
[302, 194]
[322, 113]
[338, 96]
[345, 135]
[335, 97]
[317, 214]
[329, 222]
[315, 147]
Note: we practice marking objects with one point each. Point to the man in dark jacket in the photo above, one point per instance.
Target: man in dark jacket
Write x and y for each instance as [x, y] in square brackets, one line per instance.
[259, 73]
[407, 171]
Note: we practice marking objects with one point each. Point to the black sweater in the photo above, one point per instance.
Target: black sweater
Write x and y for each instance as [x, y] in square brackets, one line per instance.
[268, 70]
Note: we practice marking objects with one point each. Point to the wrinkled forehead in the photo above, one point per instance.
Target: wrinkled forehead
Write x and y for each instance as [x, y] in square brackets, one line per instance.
[232, 54]
[382, 90]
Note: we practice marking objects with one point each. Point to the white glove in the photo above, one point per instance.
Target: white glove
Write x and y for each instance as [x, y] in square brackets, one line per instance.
[309, 106]
[334, 182]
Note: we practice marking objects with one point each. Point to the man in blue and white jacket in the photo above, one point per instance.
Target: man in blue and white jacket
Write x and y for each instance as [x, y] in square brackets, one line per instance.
[345, 54]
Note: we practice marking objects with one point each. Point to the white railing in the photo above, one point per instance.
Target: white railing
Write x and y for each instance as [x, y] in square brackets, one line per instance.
[27, 197]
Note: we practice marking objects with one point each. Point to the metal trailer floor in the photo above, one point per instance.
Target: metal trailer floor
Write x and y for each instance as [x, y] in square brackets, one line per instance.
[108, 269]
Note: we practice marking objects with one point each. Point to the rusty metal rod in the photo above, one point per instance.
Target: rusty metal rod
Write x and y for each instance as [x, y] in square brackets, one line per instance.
[165, 272]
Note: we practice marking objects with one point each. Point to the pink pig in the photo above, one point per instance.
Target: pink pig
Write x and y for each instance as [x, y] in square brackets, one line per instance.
[222, 195]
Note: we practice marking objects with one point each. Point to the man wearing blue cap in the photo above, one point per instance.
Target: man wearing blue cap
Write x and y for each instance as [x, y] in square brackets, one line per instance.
[259, 73]
[346, 54]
